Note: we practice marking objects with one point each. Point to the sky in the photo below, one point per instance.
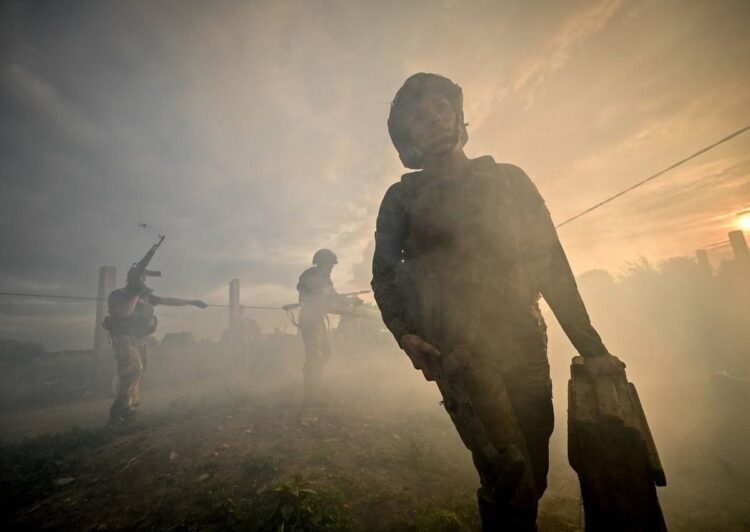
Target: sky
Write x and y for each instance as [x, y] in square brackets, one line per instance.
[253, 133]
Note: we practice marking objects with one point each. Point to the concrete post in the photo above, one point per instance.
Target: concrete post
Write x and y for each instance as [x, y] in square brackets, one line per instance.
[104, 363]
[739, 246]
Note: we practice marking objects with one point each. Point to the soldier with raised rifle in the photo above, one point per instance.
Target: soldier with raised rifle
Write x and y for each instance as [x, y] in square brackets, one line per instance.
[130, 322]
[464, 247]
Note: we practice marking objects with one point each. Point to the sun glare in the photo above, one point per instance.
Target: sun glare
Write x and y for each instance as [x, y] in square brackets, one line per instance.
[743, 221]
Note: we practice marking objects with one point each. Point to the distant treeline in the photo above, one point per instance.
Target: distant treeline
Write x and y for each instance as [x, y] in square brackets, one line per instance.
[674, 308]
[17, 352]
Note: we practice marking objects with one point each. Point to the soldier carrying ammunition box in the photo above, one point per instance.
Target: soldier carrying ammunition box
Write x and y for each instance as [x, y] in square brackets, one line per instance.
[130, 322]
[464, 247]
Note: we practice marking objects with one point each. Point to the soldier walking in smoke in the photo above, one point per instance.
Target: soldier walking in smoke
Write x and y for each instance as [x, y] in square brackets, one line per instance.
[130, 322]
[464, 247]
[316, 298]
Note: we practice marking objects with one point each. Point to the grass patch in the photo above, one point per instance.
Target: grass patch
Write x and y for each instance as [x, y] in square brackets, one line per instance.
[321, 456]
[462, 517]
[417, 456]
[28, 470]
[293, 505]
[258, 469]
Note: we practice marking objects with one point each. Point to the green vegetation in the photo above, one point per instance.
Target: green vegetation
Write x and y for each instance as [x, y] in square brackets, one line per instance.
[459, 518]
[201, 465]
[259, 468]
[416, 454]
[28, 470]
[293, 505]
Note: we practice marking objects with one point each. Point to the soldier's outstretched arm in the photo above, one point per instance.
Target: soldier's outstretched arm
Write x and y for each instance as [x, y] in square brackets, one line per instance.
[556, 281]
[175, 302]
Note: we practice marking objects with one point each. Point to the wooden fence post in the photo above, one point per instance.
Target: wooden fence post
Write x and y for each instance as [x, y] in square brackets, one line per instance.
[235, 325]
[704, 266]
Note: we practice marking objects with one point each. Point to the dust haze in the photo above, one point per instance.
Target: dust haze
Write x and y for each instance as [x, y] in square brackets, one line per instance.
[687, 358]
[253, 135]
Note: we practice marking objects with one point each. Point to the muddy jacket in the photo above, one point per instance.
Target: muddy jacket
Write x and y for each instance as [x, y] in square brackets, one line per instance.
[316, 293]
[470, 256]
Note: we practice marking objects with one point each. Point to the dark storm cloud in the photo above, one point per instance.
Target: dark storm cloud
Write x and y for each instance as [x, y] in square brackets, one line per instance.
[78, 112]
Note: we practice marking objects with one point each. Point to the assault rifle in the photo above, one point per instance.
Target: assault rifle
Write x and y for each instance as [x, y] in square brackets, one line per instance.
[139, 268]
[356, 302]
[506, 464]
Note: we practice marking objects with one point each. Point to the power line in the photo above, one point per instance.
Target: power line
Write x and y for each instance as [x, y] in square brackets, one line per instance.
[654, 176]
[717, 245]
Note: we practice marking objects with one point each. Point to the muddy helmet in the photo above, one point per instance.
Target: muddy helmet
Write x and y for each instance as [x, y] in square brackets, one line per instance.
[324, 256]
[413, 88]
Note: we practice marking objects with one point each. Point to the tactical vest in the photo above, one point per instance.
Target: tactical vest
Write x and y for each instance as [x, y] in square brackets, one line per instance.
[140, 324]
[315, 295]
[465, 269]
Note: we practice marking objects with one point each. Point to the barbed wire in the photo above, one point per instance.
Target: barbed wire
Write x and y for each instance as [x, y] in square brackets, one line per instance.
[716, 245]
[52, 296]
[89, 298]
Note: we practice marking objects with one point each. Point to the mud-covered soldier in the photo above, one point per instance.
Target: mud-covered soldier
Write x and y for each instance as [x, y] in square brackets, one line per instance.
[317, 297]
[464, 247]
[130, 322]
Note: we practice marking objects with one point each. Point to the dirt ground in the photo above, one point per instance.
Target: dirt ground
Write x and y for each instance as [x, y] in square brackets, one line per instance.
[173, 470]
[380, 454]
[363, 460]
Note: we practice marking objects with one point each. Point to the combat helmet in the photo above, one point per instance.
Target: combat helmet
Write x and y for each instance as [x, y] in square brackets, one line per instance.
[324, 256]
[414, 87]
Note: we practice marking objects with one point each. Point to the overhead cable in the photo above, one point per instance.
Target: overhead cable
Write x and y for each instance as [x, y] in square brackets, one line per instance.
[88, 298]
[654, 176]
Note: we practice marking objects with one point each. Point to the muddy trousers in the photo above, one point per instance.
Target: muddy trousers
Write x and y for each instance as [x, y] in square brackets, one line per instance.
[497, 398]
[317, 353]
[130, 353]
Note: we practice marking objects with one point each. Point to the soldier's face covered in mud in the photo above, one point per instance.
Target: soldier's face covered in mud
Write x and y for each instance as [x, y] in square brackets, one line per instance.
[431, 124]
